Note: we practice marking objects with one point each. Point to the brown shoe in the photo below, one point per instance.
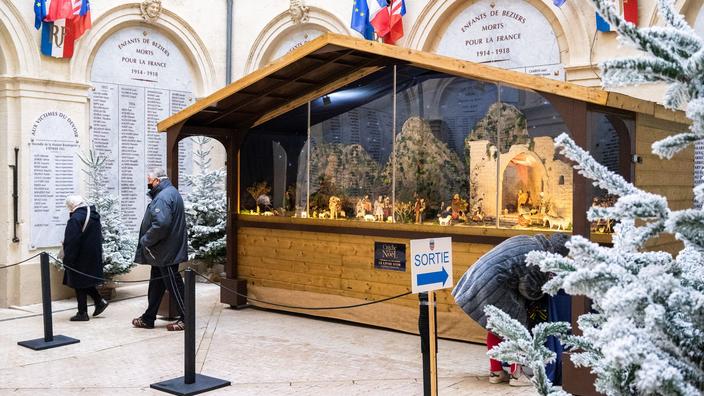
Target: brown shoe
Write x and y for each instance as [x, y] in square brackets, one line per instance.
[141, 324]
[176, 326]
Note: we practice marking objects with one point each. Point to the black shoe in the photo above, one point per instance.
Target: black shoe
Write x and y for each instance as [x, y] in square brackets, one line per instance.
[80, 317]
[100, 307]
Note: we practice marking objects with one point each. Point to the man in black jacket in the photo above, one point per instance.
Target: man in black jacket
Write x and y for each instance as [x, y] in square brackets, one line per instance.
[163, 245]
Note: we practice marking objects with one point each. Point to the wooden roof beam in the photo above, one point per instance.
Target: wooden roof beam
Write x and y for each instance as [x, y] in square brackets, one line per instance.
[285, 84]
[327, 88]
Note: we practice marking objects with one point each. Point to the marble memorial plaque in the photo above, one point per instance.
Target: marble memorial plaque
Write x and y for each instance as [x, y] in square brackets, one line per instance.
[54, 167]
[140, 77]
[506, 34]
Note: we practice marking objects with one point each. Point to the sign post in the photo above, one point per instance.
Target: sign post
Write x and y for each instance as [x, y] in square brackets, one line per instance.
[431, 270]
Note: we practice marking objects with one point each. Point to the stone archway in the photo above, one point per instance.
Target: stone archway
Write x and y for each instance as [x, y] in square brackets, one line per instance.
[524, 172]
[20, 54]
[169, 24]
[282, 35]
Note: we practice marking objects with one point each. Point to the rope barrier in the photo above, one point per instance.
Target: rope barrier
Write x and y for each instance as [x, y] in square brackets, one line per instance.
[66, 267]
[107, 280]
[21, 262]
[302, 308]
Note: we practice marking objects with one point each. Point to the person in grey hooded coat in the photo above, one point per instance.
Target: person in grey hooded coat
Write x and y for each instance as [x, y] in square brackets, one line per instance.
[163, 244]
[501, 278]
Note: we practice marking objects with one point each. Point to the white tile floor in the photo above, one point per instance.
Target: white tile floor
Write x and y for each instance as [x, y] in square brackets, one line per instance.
[261, 352]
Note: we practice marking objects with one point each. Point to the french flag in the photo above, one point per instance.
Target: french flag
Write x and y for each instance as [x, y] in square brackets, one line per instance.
[379, 16]
[398, 10]
[60, 32]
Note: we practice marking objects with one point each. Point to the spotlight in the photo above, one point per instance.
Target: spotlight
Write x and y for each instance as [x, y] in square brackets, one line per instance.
[326, 100]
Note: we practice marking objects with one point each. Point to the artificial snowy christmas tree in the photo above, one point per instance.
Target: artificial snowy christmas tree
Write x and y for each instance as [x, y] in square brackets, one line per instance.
[647, 334]
[206, 207]
[119, 243]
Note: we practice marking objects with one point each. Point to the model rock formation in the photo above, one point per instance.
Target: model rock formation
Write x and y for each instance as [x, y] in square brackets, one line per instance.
[506, 119]
[425, 166]
[346, 170]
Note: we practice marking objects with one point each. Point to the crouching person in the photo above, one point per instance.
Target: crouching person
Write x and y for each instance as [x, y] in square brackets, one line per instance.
[83, 251]
[501, 278]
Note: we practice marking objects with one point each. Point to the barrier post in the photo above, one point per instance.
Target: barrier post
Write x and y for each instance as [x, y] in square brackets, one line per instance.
[191, 383]
[427, 327]
[424, 331]
[49, 340]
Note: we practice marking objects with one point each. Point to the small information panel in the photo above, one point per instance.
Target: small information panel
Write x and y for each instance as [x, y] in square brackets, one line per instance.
[390, 256]
[431, 264]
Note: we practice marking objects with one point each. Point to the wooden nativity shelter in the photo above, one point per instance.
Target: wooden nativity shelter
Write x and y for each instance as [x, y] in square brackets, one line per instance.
[331, 147]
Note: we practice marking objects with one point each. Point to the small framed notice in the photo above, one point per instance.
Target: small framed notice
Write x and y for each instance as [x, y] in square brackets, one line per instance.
[390, 256]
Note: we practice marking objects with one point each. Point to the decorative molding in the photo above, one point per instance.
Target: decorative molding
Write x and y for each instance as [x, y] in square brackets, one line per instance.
[281, 25]
[150, 10]
[298, 12]
[18, 49]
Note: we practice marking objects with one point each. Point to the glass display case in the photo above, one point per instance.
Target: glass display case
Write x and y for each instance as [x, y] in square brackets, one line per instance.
[273, 161]
[411, 145]
[609, 134]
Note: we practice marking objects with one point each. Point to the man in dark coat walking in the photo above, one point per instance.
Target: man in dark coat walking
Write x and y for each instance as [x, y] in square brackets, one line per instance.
[83, 251]
[162, 244]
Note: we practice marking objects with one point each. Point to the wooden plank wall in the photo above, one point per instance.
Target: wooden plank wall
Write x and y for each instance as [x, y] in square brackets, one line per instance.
[672, 178]
[323, 269]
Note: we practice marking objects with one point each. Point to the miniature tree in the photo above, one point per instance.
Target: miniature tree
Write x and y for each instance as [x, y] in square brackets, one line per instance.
[119, 243]
[647, 335]
[257, 190]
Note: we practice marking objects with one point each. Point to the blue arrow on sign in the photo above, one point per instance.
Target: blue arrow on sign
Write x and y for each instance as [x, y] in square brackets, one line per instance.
[429, 278]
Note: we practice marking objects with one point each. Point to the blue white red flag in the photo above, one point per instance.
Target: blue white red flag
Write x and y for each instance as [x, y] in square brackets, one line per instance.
[379, 16]
[59, 35]
[628, 10]
[59, 9]
[398, 10]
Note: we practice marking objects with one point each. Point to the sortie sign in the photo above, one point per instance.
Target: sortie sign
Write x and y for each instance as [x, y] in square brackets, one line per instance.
[431, 264]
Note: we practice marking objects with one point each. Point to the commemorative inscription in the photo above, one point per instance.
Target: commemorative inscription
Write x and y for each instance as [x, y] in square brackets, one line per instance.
[53, 173]
[139, 78]
[507, 34]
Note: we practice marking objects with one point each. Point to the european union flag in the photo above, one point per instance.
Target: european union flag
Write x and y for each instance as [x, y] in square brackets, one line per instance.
[39, 12]
[360, 19]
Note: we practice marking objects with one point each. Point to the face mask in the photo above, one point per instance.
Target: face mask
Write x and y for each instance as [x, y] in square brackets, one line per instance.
[150, 186]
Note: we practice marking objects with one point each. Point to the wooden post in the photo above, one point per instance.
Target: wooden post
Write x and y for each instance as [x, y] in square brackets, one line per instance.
[168, 308]
[433, 344]
[233, 144]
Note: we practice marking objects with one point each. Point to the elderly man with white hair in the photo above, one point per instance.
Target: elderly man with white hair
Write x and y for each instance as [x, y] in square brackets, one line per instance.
[163, 244]
[83, 251]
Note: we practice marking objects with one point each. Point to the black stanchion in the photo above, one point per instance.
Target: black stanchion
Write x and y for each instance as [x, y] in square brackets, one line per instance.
[424, 330]
[49, 340]
[191, 383]
[425, 337]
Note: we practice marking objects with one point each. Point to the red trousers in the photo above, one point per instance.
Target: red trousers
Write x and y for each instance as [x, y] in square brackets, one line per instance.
[493, 340]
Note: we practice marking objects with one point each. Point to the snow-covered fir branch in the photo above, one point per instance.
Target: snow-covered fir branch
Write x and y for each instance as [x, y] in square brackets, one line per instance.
[647, 335]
